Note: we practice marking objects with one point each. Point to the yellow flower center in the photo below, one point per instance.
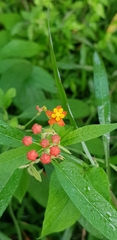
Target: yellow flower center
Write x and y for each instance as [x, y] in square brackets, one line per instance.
[57, 114]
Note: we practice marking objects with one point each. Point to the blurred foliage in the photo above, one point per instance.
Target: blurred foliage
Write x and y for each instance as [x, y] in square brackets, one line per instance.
[26, 79]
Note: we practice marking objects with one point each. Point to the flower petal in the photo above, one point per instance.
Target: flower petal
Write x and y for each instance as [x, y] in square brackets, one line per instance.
[52, 121]
[49, 113]
[65, 113]
[61, 122]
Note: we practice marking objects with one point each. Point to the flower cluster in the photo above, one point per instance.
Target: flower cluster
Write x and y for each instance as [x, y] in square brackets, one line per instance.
[50, 141]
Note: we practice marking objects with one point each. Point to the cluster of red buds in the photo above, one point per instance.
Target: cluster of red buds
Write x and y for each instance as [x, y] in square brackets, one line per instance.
[49, 145]
[49, 142]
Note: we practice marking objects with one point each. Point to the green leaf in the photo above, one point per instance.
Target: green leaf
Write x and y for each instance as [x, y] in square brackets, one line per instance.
[1, 97]
[9, 19]
[3, 236]
[103, 100]
[4, 38]
[33, 172]
[19, 48]
[89, 227]
[14, 76]
[7, 191]
[11, 93]
[39, 190]
[92, 205]
[95, 173]
[104, 189]
[10, 136]
[59, 206]
[23, 185]
[5, 64]
[80, 108]
[101, 90]
[43, 79]
[12, 159]
[87, 133]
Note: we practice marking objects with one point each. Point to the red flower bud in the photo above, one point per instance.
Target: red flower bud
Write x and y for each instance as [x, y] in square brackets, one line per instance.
[55, 150]
[32, 155]
[45, 158]
[55, 139]
[36, 128]
[44, 143]
[27, 140]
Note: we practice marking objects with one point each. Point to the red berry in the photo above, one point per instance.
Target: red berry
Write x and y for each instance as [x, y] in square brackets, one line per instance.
[32, 155]
[36, 128]
[27, 140]
[45, 158]
[55, 139]
[44, 143]
[55, 150]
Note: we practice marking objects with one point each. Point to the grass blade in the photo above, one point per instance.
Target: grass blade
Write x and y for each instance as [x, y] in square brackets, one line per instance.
[62, 93]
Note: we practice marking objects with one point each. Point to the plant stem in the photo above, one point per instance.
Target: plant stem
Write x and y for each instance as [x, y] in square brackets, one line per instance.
[30, 121]
[62, 93]
[15, 221]
[106, 139]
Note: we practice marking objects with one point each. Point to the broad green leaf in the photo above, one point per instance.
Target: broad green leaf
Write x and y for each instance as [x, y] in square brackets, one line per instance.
[89, 227]
[43, 79]
[9, 19]
[95, 147]
[102, 99]
[80, 108]
[5, 64]
[4, 38]
[23, 185]
[12, 159]
[91, 175]
[19, 48]
[98, 173]
[10, 136]
[8, 190]
[87, 200]
[14, 76]
[60, 212]
[86, 133]
[39, 190]
[3, 236]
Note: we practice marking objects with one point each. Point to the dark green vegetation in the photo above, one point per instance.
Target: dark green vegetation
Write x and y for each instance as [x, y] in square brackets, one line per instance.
[80, 30]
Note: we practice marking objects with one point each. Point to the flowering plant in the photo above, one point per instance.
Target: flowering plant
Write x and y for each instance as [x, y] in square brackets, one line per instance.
[72, 175]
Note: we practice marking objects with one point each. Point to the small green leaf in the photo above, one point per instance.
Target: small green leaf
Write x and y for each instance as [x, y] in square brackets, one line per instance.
[92, 205]
[87, 133]
[60, 212]
[19, 48]
[11, 93]
[33, 172]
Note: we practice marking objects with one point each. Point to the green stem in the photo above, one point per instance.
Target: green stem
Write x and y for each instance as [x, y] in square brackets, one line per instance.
[62, 94]
[106, 139]
[15, 221]
[30, 121]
